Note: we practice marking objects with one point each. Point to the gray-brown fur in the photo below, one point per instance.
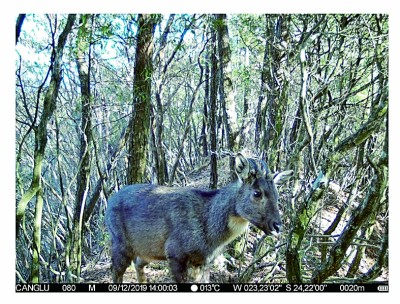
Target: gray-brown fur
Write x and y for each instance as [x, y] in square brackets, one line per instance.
[188, 227]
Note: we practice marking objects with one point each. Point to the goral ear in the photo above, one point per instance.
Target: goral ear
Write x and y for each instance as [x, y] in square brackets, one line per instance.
[242, 167]
[283, 176]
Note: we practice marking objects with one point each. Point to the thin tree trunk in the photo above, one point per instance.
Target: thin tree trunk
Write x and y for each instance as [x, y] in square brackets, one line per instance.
[37, 231]
[205, 121]
[213, 112]
[260, 118]
[82, 47]
[158, 116]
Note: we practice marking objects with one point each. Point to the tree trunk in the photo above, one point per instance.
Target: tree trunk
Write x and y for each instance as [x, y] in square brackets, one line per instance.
[260, 116]
[140, 121]
[213, 112]
[277, 94]
[205, 120]
[82, 48]
[226, 89]
[37, 231]
[273, 90]
[160, 163]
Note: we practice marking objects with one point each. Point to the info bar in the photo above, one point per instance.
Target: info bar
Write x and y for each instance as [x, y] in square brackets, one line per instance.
[200, 287]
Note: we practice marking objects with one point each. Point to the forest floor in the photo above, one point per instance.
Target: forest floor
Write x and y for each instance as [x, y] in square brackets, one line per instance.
[239, 263]
[158, 272]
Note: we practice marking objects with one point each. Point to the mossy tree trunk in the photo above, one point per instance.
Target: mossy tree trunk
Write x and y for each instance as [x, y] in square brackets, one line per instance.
[139, 126]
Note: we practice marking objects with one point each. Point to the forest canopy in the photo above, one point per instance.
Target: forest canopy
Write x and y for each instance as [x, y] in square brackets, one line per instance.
[106, 100]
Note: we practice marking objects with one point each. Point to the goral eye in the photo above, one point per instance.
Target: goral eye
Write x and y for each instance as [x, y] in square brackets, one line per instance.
[257, 193]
